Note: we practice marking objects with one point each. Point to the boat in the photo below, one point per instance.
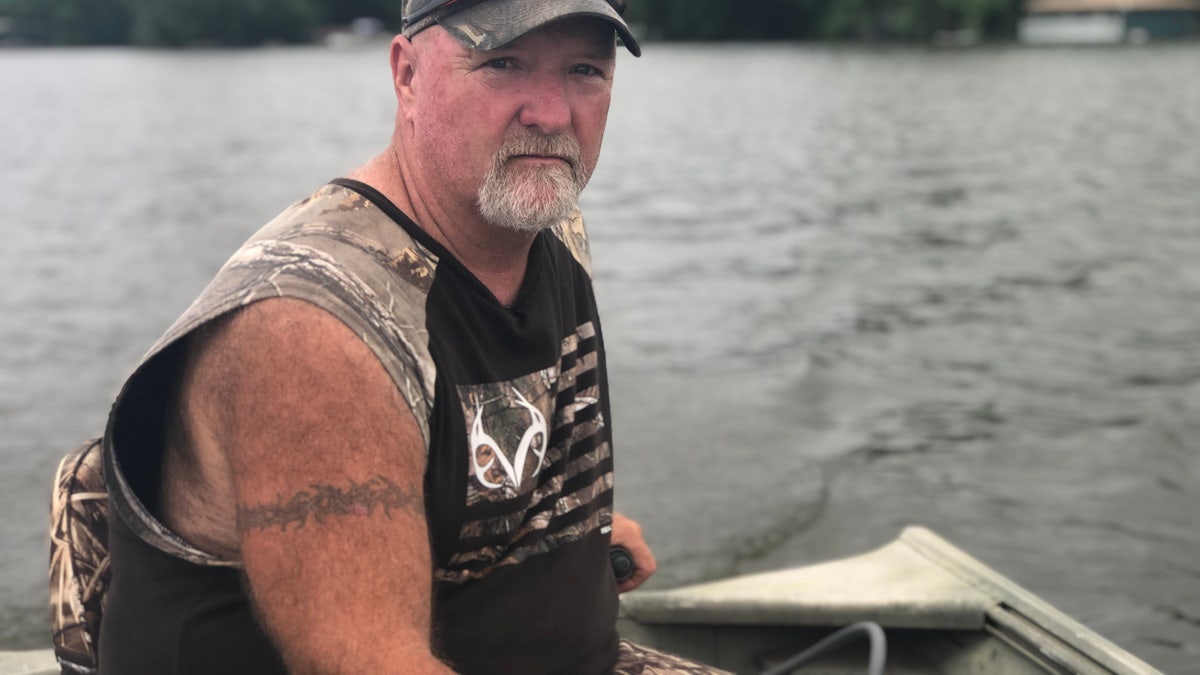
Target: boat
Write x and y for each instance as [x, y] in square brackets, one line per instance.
[932, 607]
[940, 610]
[36, 662]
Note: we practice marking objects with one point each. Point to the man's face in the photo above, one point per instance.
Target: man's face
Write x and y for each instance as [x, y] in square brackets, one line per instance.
[514, 132]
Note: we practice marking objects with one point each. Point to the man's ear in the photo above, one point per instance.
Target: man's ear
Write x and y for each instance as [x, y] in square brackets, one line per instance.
[403, 60]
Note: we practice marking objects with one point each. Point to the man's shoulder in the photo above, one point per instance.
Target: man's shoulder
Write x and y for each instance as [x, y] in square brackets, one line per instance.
[275, 335]
[331, 256]
[338, 225]
[337, 209]
[336, 249]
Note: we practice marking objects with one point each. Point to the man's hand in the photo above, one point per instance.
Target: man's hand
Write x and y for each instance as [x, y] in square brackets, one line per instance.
[628, 534]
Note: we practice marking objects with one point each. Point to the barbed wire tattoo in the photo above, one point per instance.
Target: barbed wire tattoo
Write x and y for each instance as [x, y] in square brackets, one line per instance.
[321, 501]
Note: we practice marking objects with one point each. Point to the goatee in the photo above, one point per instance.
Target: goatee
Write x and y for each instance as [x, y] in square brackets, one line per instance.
[533, 198]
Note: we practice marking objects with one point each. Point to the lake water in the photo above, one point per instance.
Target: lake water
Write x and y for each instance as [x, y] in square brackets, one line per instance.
[844, 290]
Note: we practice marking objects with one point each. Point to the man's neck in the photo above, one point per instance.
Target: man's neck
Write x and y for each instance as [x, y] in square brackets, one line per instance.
[497, 257]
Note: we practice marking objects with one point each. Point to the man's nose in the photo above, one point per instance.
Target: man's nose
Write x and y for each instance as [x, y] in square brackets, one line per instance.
[547, 106]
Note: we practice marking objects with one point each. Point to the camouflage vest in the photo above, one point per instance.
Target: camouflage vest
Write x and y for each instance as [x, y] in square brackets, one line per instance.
[510, 445]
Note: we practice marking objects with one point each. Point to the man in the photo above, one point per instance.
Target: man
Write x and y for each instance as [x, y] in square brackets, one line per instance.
[379, 442]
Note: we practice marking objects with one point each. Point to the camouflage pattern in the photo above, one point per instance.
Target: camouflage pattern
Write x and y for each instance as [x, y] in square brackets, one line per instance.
[520, 429]
[490, 25]
[79, 570]
[634, 659]
[340, 252]
[572, 233]
[336, 250]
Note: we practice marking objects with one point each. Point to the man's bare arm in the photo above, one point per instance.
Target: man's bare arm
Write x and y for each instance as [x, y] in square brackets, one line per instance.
[327, 466]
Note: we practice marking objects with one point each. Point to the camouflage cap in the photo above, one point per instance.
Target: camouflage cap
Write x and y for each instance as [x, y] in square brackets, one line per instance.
[490, 24]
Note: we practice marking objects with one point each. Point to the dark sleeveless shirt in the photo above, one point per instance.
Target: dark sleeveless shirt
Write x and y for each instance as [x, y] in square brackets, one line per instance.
[513, 406]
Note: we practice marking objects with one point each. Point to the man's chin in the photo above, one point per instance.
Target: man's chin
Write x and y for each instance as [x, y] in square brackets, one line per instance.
[529, 221]
[530, 207]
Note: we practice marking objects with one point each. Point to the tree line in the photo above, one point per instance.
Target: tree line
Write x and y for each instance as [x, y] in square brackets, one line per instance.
[253, 22]
[185, 22]
[859, 20]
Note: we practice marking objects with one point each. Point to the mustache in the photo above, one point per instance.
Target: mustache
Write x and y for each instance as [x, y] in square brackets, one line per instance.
[561, 145]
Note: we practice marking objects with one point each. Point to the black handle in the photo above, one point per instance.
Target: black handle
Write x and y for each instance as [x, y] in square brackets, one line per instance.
[622, 562]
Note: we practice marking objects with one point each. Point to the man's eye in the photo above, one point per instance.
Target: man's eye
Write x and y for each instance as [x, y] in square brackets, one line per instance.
[499, 64]
[585, 69]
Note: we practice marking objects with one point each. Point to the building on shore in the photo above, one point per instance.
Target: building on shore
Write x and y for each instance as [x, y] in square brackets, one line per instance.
[1109, 21]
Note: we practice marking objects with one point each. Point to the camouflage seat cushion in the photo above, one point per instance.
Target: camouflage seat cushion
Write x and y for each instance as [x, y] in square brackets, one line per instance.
[79, 563]
[635, 659]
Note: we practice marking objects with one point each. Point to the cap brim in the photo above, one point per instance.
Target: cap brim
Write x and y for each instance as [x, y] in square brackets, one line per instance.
[491, 25]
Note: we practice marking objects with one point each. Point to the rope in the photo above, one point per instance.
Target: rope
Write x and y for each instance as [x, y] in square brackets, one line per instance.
[872, 631]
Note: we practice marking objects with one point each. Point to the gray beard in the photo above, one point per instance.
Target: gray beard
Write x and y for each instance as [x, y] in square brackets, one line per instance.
[533, 199]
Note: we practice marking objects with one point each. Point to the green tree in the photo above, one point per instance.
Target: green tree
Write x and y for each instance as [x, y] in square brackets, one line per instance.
[225, 22]
[824, 19]
[724, 19]
[334, 13]
[70, 22]
[251, 22]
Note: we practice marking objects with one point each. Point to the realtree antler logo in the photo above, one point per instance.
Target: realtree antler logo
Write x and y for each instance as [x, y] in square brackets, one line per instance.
[484, 447]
